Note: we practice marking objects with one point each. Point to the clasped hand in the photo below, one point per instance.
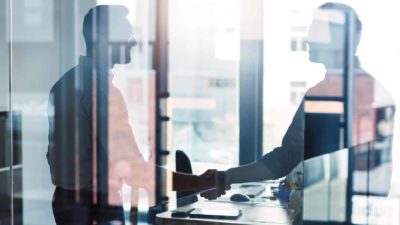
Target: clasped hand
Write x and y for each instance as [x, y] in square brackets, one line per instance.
[218, 184]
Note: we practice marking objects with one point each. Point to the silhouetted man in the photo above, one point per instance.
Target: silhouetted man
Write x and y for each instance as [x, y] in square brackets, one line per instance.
[92, 151]
[372, 103]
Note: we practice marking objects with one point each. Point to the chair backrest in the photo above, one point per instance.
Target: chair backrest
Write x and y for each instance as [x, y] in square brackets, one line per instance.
[182, 164]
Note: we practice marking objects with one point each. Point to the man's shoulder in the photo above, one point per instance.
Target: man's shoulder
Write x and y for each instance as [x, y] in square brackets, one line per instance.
[383, 97]
[66, 82]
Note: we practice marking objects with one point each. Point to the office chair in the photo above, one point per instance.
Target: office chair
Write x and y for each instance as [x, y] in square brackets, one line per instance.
[182, 163]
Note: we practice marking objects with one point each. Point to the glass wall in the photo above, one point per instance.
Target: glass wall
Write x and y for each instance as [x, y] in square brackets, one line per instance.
[203, 79]
[5, 122]
[82, 123]
[297, 51]
[45, 109]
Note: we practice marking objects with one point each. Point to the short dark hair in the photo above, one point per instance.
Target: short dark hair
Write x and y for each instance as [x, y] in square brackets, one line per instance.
[96, 21]
[345, 9]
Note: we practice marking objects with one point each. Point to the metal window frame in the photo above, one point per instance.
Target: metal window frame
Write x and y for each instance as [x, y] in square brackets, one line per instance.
[160, 65]
[348, 96]
[251, 101]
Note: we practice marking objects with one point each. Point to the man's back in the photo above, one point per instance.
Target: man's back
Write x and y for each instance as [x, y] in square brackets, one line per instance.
[368, 94]
[70, 130]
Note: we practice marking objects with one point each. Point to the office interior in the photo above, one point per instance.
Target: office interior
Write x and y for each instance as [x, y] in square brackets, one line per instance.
[220, 80]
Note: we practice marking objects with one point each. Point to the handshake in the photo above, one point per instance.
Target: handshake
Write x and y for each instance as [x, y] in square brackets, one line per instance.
[215, 184]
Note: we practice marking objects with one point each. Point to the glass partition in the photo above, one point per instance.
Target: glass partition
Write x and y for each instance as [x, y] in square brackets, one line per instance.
[56, 162]
[325, 56]
[95, 93]
[204, 43]
[5, 118]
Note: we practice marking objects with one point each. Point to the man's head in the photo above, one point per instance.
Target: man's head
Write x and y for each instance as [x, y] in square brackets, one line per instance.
[108, 34]
[326, 35]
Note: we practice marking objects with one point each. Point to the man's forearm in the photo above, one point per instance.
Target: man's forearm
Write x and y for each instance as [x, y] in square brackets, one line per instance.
[185, 182]
[180, 181]
[252, 172]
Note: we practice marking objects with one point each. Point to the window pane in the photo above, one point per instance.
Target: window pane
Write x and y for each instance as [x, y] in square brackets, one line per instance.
[5, 117]
[322, 66]
[203, 71]
[84, 102]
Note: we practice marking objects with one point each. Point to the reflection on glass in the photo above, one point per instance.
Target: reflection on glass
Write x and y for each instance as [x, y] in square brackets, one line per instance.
[325, 108]
[203, 71]
[368, 94]
[96, 165]
[92, 151]
[99, 130]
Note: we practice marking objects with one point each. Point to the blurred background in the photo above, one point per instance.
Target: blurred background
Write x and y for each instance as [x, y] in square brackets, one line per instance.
[218, 79]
